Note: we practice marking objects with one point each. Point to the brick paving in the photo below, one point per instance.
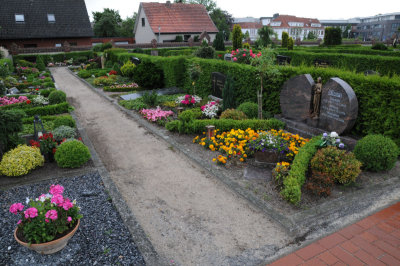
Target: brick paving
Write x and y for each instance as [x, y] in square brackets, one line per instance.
[374, 240]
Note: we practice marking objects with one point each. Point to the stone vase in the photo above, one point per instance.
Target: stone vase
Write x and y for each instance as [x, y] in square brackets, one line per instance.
[49, 247]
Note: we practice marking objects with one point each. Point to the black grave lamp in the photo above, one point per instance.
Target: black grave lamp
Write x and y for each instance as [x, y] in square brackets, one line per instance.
[38, 128]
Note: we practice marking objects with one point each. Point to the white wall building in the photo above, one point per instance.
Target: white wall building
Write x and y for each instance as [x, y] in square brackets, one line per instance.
[297, 27]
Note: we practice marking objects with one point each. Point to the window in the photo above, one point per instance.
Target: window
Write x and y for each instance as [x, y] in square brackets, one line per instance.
[73, 44]
[51, 18]
[30, 45]
[19, 18]
[58, 45]
[143, 22]
[395, 26]
[276, 24]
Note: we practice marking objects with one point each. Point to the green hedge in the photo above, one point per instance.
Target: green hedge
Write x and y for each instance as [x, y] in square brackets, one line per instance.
[297, 175]
[9, 63]
[198, 126]
[28, 120]
[60, 57]
[344, 50]
[120, 89]
[49, 110]
[385, 65]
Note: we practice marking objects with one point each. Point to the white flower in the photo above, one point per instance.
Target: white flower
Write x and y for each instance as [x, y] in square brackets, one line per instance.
[334, 134]
[27, 200]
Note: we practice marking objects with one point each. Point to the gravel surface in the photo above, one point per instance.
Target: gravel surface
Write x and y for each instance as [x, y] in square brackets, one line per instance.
[101, 239]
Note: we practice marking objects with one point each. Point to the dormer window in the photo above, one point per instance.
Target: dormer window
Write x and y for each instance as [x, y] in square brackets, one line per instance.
[51, 18]
[19, 18]
[143, 22]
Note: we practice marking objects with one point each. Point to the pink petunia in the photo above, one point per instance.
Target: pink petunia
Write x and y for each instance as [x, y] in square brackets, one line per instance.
[16, 207]
[69, 219]
[51, 214]
[56, 189]
[57, 199]
[67, 204]
[31, 213]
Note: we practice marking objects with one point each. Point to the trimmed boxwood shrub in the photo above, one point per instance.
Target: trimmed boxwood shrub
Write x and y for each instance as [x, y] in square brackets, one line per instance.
[249, 109]
[48, 110]
[72, 154]
[127, 69]
[21, 160]
[233, 114]
[84, 74]
[65, 120]
[57, 97]
[377, 152]
[148, 75]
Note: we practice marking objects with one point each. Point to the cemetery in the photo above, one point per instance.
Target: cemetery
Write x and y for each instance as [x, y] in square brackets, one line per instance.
[304, 135]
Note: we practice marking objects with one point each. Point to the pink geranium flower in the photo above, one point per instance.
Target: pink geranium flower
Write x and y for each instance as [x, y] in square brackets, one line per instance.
[31, 213]
[16, 207]
[67, 204]
[51, 214]
[57, 199]
[234, 59]
[56, 189]
[69, 219]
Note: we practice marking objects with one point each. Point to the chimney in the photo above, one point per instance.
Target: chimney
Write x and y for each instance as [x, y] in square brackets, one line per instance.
[168, 4]
[275, 16]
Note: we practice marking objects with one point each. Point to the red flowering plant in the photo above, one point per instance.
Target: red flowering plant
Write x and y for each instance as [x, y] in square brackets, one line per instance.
[47, 217]
[47, 143]
[244, 56]
[112, 72]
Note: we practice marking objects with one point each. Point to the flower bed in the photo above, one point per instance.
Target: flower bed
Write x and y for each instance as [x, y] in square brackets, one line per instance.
[12, 100]
[122, 87]
[156, 115]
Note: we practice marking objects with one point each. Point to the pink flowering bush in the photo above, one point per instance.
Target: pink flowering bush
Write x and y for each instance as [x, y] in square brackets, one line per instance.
[188, 100]
[49, 215]
[244, 55]
[11, 100]
[156, 115]
[211, 109]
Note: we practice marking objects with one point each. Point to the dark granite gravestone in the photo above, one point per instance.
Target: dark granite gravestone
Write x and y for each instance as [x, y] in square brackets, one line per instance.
[339, 106]
[283, 59]
[295, 97]
[218, 83]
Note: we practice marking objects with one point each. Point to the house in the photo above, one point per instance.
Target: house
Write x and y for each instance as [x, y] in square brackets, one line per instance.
[165, 21]
[297, 27]
[251, 25]
[380, 27]
[346, 25]
[44, 23]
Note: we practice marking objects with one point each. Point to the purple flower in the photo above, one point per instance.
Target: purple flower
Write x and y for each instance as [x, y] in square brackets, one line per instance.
[325, 135]
[337, 140]
[341, 145]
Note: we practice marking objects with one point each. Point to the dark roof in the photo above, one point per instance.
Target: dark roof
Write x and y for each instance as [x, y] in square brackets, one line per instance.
[71, 19]
[178, 17]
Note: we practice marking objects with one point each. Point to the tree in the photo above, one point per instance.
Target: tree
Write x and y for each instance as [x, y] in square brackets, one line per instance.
[210, 5]
[290, 43]
[333, 36]
[266, 70]
[246, 35]
[237, 37]
[346, 32]
[218, 42]
[222, 20]
[127, 26]
[106, 23]
[311, 36]
[265, 34]
[285, 38]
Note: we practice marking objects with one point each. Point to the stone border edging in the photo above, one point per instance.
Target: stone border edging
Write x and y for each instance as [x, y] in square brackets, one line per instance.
[138, 235]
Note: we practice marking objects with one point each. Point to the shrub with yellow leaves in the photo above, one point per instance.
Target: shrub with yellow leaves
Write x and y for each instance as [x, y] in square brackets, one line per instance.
[21, 160]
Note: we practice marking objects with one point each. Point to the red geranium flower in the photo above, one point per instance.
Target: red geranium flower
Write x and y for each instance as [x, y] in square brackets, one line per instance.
[28, 101]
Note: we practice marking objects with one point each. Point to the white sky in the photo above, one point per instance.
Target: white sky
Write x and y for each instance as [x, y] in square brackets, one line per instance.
[336, 9]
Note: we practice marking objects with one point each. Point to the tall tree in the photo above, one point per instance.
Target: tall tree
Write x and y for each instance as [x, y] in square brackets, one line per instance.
[265, 33]
[127, 26]
[237, 37]
[209, 4]
[222, 20]
[107, 23]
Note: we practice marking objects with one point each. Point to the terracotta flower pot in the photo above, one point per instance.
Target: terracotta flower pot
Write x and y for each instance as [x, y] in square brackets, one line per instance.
[49, 247]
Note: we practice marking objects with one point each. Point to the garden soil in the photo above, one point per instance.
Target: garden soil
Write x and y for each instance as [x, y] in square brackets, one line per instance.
[190, 217]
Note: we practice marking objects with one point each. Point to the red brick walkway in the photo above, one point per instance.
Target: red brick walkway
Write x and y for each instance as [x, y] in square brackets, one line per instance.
[374, 240]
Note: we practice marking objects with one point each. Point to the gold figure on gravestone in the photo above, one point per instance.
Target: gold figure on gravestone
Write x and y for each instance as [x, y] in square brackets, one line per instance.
[316, 104]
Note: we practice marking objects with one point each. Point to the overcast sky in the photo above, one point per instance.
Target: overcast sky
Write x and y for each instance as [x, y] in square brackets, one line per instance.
[337, 9]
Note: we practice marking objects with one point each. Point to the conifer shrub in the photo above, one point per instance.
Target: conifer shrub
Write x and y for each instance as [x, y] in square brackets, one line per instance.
[285, 39]
[249, 109]
[228, 93]
[127, 69]
[57, 96]
[377, 152]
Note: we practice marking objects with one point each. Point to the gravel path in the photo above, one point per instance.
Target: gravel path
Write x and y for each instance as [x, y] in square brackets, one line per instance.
[190, 217]
[101, 239]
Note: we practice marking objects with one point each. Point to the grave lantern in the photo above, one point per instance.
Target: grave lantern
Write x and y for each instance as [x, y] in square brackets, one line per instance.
[210, 131]
[179, 109]
[38, 128]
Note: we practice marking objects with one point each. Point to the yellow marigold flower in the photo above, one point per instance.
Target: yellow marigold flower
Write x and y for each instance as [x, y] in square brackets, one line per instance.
[211, 146]
[214, 160]
[203, 143]
[245, 155]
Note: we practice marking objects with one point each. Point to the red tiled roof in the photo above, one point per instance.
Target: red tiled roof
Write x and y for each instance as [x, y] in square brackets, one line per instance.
[250, 25]
[178, 17]
[285, 19]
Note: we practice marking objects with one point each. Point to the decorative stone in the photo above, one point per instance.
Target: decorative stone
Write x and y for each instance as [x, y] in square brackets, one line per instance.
[218, 83]
[13, 91]
[295, 97]
[257, 174]
[339, 106]
[228, 57]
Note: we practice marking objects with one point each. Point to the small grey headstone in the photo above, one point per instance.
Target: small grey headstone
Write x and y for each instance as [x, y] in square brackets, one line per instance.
[154, 52]
[228, 57]
[13, 91]
[165, 91]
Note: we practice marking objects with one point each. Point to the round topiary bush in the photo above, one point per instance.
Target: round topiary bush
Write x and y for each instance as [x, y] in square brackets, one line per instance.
[72, 154]
[233, 114]
[64, 121]
[249, 109]
[376, 152]
[340, 165]
[21, 160]
[57, 96]
[63, 132]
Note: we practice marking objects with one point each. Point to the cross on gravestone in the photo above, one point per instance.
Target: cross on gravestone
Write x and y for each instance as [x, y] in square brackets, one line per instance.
[218, 83]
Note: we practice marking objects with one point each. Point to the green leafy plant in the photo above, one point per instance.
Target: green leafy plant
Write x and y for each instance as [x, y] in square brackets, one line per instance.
[249, 109]
[72, 154]
[48, 216]
[137, 104]
[21, 160]
[47, 143]
[63, 132]
[290, 44]
[376, 152]
[65, 120]
[56, 97]
[148, 75]
[285, 39]
[379, 46]
[105, 80]
[233, 114]
[150, 99]
[10, 125]
[127, 69]
[342, 166]
[205, 52]
[218, 42]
